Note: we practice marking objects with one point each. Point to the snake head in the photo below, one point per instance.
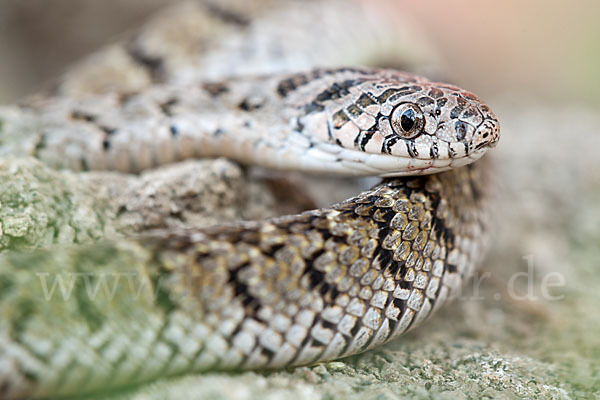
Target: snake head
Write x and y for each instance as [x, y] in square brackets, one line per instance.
[454, 116]
[390, 123]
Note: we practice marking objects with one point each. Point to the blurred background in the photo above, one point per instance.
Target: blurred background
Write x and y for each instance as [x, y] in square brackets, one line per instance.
[544, 49]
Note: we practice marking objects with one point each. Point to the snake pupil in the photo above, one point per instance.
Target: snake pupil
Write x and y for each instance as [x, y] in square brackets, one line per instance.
[407, 120]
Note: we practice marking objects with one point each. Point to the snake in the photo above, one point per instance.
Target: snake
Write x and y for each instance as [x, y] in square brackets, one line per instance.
[281, 292]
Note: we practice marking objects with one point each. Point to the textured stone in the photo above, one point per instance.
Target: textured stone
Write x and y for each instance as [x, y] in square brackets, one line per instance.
[40, 207]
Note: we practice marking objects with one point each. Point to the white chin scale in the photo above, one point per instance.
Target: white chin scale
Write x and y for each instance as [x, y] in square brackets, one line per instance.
[333, 159]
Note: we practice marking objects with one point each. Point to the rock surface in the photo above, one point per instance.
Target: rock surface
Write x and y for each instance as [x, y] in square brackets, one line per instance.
[40, 207]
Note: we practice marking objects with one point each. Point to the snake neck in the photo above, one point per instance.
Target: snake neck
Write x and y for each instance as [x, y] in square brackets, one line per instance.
[362, 272]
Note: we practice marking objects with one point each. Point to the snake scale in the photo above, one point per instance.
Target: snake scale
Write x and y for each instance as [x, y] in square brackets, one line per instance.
[287, 291]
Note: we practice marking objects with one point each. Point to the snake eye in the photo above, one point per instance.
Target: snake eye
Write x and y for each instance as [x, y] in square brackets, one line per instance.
[407, 120]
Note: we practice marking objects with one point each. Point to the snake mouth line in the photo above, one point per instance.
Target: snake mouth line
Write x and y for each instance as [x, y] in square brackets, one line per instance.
[341, 161]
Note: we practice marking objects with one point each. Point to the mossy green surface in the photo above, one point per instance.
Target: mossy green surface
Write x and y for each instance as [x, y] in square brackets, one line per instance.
[40, 207]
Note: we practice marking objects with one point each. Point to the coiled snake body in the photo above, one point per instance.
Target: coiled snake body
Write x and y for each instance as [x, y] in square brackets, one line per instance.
[292, 290]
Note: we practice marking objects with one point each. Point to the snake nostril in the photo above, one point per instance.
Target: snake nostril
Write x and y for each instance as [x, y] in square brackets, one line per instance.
[488, 134]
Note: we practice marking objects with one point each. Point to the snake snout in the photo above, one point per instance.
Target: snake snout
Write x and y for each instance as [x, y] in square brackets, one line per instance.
[487, 134]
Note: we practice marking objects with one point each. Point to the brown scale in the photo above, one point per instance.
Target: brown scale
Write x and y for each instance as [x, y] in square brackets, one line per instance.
[363, 263]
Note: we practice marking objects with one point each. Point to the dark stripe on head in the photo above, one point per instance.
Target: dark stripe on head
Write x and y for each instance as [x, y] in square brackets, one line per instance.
[354, 111]
[339, 119]
[363, 139]
[434, 151]
[386, 95]
[425, 101]
[365, 100]
[412, 149]
[389, 143]
[451, 152]
[337, 90]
